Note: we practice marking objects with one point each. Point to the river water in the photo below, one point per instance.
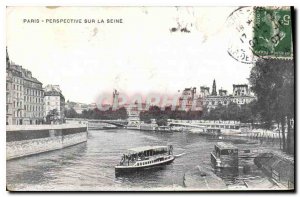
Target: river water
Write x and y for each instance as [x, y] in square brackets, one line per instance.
[90, 166]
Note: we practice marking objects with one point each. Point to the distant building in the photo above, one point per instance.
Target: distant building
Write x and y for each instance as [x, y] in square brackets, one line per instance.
[204, 91]
[54, 100]
[9, 93]
[115, 102]
[134, 109]
[189, 100]
[92, 106]
[79, 107]
[222, 92]
[240, 90]
[33, 99]
[241, 95]
[213, 101]
[24, 96]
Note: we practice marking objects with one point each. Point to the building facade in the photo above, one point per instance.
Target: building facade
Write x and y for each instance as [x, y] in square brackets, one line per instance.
[9, 92]
[54, 101]
[189, 100]
[24, 96]
[33, 99]
[240, 95]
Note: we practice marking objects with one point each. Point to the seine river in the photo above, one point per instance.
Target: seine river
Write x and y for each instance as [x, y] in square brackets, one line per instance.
[90, 165]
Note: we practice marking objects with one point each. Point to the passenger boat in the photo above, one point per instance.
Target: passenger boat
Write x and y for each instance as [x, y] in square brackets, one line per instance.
[225, 155]
[149, 127]
[145, 157]
[133, 122]
[164, 128]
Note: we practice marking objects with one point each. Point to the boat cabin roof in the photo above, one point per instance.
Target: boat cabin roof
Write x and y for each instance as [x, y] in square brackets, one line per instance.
[147, 148]
[222, 145]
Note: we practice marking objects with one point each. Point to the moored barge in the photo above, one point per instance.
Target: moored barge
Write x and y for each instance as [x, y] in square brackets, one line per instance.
[225, 155]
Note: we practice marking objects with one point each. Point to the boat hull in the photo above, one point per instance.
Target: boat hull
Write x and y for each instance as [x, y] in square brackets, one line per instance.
[130, 169]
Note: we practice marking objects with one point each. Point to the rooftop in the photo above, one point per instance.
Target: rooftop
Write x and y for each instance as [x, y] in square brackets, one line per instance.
[54, 93]
[223, 145]
[146, 148]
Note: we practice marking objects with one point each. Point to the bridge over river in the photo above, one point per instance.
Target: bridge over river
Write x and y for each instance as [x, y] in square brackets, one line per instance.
[117, 123]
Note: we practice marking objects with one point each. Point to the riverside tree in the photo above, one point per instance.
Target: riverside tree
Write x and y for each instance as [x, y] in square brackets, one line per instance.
[272, 81]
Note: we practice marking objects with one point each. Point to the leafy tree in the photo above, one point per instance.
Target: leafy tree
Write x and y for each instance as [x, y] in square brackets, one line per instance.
[273, 82]
[52, 116]
[162, 116]
[98, 114]
[71, 113]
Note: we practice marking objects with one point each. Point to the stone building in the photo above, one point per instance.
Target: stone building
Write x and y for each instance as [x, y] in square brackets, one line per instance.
[24, 96]
[189, 100]
[9, 93]
[241, 95]
[222, 92]
[204, 91]
[33, 99]
[54, 101]
[214, 101]
[240, 90]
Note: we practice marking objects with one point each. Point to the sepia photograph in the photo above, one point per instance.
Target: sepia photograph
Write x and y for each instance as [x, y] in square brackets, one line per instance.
[145, 99]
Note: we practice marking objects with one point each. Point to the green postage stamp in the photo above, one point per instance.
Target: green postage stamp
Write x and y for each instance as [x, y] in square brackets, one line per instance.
[272, 32]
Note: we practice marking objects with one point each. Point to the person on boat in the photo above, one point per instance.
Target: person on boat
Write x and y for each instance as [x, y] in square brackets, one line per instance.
[122, 160]
[171, 150]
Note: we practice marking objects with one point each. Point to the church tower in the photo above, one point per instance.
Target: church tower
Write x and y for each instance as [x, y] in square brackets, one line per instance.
[214, 89]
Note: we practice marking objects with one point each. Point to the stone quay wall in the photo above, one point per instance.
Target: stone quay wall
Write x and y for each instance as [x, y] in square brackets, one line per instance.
[24, 140]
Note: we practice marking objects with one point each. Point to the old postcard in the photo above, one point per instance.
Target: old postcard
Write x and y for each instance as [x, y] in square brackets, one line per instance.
[150, 98]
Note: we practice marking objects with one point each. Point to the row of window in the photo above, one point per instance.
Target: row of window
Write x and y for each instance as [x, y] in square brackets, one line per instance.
[17, 80]
[34, 114]
[18, 113]
[17, 87]
[34, 92]
[33, 108]
[33, 99]
[215, 102]
[17, 104]
[53, 103]
[239, 94]
[226, 102]
[152, 161]
[18, 95]
[28, 114]
[51, 98]
[29, 99]
[144, 163]
[28, 107]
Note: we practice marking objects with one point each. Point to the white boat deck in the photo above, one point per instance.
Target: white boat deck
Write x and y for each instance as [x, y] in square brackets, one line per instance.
[147, 159]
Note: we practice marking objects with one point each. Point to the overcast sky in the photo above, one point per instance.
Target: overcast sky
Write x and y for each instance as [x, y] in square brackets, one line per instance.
[139, 56]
